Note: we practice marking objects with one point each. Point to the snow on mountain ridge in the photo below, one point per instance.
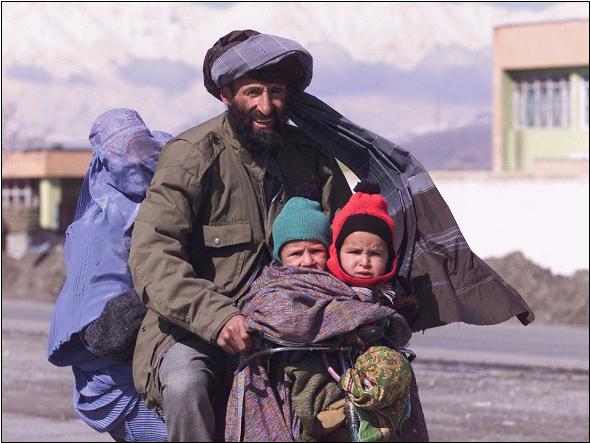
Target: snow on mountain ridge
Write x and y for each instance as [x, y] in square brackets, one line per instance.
[393, 67]
[87, 37]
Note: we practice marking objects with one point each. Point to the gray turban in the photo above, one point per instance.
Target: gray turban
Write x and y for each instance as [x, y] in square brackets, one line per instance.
[263, 57]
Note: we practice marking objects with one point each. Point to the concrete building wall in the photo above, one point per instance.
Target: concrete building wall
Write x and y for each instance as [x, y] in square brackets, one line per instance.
[510, 159]
[542, 49]
[537, 145]
[500, 213]
[70, 189]
[50, 197]
[57, 174]
[20, 204]
[541, 45]
[524, 148]
[45, 163]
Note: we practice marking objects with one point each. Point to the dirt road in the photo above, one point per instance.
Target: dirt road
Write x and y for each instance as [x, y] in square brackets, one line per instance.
[462, 401]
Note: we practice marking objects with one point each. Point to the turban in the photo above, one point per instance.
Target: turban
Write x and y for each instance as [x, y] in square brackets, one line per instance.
[264, 57]
[435, 261]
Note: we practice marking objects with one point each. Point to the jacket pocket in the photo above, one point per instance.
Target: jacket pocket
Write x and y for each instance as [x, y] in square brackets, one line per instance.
[220, 236]
[226, 247]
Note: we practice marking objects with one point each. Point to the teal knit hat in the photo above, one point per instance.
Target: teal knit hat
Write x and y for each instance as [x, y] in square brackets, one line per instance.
[300, 219]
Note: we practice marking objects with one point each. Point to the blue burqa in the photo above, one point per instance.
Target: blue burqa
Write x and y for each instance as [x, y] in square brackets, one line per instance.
[96, 252]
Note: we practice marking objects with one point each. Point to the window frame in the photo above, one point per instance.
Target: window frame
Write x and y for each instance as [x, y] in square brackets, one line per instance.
[584, 111]
[532, 109]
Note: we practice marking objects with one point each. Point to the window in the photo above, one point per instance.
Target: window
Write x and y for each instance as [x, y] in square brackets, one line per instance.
[556, 105]
[541, 101]
[584, 101]
[530, 107]
[544, 110]
[19, 192]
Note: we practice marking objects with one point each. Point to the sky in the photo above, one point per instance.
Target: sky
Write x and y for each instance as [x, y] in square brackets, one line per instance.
[505, 5]
[401, 69]
[535, 6]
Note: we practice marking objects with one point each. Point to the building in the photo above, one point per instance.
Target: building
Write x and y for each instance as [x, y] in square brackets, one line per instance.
[40, 188]
[540, 98]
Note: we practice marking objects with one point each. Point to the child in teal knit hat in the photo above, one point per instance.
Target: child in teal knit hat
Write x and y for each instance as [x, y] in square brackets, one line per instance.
[301, 235]
[296, 299]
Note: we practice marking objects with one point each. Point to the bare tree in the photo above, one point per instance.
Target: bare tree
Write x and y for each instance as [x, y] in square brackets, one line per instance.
[13, 134]
[9, 125]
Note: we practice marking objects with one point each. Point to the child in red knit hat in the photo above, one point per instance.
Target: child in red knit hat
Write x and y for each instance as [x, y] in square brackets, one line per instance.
[363, 256]
[298, 300]
[362, 252]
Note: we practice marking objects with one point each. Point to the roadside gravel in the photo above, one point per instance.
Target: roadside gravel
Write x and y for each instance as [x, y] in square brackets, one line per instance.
[462, 402]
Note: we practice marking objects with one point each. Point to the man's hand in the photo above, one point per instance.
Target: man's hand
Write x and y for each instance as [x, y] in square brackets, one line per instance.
[233, 338]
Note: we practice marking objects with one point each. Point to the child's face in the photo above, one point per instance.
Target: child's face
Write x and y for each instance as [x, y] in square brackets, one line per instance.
[363, 255]
[305, 254]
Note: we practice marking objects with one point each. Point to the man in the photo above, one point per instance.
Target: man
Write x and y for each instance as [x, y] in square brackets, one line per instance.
[203, 233]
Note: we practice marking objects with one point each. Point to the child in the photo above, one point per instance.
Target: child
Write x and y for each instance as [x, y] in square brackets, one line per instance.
[295, 300]
[362, 253]
[301, 235]
[363, 241]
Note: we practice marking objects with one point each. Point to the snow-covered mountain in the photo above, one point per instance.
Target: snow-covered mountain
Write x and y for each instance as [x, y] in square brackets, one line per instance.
[395, 67]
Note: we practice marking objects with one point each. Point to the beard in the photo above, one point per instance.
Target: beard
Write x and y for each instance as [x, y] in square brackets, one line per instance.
[262, 140]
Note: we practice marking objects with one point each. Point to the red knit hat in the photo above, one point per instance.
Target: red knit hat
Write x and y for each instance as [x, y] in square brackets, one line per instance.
[365, 211]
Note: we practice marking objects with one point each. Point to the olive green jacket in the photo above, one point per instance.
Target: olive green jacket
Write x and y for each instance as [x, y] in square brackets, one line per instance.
[202, 233]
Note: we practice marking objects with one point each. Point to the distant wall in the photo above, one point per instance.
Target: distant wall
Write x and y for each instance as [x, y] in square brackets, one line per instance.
[545, 218]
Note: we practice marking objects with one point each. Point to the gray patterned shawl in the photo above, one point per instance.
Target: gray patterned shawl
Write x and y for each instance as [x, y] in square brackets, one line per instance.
[299, 305]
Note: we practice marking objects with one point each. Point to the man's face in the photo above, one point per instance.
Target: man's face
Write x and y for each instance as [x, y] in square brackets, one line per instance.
[305, 254]
[257, 110]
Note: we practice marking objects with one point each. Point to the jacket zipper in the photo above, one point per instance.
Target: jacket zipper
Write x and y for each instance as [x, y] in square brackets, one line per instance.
[262, 201]
[277, 195]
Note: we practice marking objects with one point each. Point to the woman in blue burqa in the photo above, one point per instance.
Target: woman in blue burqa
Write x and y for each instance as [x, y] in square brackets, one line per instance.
[97, 314]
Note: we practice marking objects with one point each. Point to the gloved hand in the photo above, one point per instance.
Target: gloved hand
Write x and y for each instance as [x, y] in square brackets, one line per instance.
[112, 335]
[366, 334]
